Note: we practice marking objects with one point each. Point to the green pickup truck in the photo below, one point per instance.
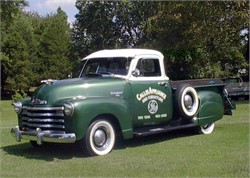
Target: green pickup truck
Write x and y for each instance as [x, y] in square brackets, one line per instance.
[123, 92]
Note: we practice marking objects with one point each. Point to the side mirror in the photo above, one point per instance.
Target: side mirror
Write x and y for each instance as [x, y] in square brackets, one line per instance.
[136, 73]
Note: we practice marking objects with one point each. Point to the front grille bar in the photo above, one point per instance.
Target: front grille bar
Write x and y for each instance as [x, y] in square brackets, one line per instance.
[43, 125]
[43, 117]
[43, 108]
[42, 120]
[44, 114]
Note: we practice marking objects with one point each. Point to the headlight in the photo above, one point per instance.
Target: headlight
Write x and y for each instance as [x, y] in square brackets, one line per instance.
[17, 107]
[68, 109]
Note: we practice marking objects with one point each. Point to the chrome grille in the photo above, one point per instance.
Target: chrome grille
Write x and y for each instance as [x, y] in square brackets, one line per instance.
[45, 118]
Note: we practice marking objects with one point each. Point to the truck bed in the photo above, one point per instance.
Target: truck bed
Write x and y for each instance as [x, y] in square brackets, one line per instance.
[197, 82]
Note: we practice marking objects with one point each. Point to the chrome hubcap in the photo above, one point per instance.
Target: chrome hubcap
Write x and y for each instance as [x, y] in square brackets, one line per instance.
[206, 126]
[188, 101]
[100, 138]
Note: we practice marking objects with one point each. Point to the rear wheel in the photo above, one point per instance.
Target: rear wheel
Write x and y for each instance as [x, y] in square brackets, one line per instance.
[100, 138]
[207, 128]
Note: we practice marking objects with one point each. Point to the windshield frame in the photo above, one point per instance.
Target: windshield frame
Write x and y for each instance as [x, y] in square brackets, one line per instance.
[124, 67]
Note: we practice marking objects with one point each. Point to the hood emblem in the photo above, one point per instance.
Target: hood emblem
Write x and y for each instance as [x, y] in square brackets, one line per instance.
[116, 93]
[48, 82]
[38, 102]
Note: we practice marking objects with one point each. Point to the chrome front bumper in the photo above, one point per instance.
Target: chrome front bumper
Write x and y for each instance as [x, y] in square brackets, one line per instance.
[42, 136]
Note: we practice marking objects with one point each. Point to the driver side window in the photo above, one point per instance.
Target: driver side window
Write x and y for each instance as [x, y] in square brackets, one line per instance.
[149, 67]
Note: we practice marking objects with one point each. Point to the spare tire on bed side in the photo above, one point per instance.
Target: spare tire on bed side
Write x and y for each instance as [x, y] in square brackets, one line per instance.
[186, 101]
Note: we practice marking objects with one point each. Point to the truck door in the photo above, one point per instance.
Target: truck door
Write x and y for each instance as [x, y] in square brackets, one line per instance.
[152, 94]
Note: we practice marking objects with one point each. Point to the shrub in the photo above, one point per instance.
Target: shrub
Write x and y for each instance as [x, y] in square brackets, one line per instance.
[19, 96]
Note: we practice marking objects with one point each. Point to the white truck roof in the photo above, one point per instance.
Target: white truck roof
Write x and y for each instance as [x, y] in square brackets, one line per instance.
[123, 53]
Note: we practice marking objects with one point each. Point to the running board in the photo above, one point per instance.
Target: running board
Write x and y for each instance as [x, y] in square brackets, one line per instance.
[145, 131]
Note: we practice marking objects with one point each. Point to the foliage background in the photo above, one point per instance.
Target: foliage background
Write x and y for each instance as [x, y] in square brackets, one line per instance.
[199, 39]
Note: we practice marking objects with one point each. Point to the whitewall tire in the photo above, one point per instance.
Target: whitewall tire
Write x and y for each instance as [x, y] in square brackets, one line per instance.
[207, 128]
[100, 138]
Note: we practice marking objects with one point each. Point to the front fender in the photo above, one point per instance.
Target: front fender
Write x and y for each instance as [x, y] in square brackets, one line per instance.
[211, 107]
[86, 110]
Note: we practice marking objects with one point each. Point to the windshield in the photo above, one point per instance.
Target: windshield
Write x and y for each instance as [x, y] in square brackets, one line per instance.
[106, 66]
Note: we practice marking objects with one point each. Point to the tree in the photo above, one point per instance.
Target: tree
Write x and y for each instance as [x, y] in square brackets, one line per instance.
[200, 35]
[54, 50]
[18, 50]
[8, 11]
[110, 24]
[93, 26]
[190, 34]
[96, 27]
[18, 64]
[34, 48]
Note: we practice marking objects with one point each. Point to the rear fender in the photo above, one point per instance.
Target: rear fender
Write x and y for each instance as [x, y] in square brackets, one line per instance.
[211, 107]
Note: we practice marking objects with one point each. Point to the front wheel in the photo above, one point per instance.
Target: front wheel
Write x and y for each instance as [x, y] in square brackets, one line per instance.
[207, 128]
[100, 138]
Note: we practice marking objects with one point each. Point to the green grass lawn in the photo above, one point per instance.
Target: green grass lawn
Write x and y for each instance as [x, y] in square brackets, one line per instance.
[224, 153]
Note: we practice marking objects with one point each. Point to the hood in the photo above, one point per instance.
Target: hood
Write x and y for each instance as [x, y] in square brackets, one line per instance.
[62, 90]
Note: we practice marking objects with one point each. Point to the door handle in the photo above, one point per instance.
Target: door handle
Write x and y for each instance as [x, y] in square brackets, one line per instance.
[162, 83]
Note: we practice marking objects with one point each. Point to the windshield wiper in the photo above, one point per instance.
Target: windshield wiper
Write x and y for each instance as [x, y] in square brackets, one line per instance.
[99, 74]
[93, 75]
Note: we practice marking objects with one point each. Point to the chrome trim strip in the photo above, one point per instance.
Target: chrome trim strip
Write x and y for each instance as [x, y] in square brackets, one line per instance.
[43, 136]
[43, 108]
[44, 125]
[42, 120]
[44, 114]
